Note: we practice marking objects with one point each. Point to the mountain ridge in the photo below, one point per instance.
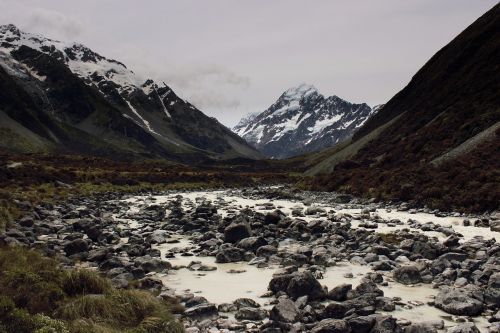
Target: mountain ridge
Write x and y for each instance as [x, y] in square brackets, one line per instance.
[302, 120]
[74, 87]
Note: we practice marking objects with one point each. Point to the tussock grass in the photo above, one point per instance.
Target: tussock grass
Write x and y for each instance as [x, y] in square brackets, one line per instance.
[81, 282]
[36, 295]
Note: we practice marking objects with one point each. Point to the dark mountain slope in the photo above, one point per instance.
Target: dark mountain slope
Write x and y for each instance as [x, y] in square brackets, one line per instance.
[449, 112]
[63, 97]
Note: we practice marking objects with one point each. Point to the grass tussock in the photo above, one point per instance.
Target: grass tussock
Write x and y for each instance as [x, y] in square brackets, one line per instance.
[38, 296]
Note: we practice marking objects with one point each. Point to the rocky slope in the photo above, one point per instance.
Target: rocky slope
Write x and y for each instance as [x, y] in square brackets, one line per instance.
[436, 141]
[302, 120]
[57, 96]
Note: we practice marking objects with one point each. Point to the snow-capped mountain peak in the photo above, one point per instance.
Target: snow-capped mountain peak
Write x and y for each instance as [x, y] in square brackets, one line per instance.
[81, 60]
[299, 92]
[302, 120]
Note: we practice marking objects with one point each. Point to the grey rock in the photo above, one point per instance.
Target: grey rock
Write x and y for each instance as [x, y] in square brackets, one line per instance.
[331, 326]
[458, 302]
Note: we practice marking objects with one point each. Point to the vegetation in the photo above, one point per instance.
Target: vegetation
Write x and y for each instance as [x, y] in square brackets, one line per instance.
[26, 180]
[37, 295]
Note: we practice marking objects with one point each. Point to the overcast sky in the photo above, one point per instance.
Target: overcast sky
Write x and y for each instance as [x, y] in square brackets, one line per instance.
[231, 57]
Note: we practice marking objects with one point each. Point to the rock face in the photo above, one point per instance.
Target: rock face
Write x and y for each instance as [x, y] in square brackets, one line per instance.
[302, 120]
[65, 96]
[458, 302]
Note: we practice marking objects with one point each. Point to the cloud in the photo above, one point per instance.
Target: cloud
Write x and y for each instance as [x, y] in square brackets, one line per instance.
[55, 23]
[207, 86]
[39, 20]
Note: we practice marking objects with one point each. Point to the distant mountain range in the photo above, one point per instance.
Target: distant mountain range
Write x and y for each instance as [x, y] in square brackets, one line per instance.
[302, 120]
[63, 97]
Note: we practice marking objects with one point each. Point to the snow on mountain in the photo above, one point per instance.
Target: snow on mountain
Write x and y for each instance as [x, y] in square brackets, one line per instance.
[302, 120]
[55, 69]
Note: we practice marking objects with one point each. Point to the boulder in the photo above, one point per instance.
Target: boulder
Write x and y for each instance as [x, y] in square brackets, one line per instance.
[254, 314]
[420, 328]
[305, 284]
[458, 302]
[331, 326]
[273, 217]
[230, 254]
[252, 243]
[246, 303]
[339, 293]
[266, 251]
[386, 324]
[236, 232]
[407, 275]
[362, 324]
[202, 311]
[285, 311]
[76, 246]
[463, 328]
[150, 264]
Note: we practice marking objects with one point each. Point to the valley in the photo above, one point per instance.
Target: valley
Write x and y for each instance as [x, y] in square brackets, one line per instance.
[127, 208]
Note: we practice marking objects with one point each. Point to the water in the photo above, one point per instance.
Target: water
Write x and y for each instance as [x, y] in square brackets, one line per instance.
[220, 286]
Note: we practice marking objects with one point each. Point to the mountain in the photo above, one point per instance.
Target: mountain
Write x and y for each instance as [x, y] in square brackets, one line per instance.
[436, 141]
[300, 121]
[64, 97]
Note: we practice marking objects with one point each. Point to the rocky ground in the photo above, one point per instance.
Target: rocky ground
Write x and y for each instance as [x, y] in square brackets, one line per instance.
[138, 240]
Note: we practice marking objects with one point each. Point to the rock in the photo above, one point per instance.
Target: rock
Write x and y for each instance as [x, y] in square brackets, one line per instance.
[236, 232]
[229, 254]
[196, 300]
[451, 241]
[151, 284]
[26, 221]
[386, 324]
[252, 243]
[285, 311]
[150, 264]
[331, 326]
[339, 293]
[98, 254]
[76, 246]
[419, 328]
[246, 303]
[313, 210]
[266, 251]
[458, 302]
[337, 310]
[463, 328]
[304, 284]
[205, 310]
[273, 217]
[246, 313]
[362, 324]
[407, 275]
[495, 226]
[279, 283]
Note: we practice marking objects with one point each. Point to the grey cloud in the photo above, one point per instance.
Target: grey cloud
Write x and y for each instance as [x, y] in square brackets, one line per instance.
[53, 22]
[231, 57]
